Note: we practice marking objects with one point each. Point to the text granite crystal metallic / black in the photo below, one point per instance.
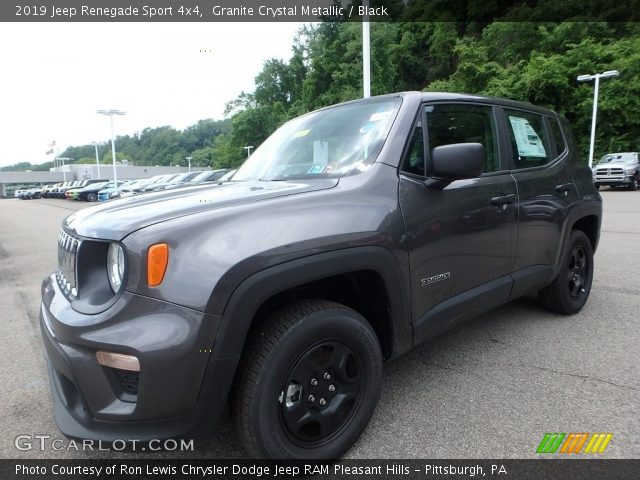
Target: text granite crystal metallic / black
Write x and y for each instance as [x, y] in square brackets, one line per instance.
[352, 234]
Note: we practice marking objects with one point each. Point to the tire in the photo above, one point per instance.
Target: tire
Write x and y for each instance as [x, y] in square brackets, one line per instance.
[633, 186]
[92, 197]
[570, 290]
[277, 399]
[597, 187]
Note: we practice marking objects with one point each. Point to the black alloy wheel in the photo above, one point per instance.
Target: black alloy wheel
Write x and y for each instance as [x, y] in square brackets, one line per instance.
[321, 392]
[308, 382]
[570, 290]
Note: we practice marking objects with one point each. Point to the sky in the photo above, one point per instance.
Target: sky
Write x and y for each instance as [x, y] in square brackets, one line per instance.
[54, 76]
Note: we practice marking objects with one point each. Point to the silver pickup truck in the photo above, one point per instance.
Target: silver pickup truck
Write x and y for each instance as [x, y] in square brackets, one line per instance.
[618, 170]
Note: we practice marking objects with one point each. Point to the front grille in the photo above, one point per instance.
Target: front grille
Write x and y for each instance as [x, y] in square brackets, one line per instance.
[127, 380]
[67, 271]
[609, 171]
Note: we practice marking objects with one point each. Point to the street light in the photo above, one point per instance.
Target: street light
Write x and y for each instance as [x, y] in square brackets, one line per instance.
[110, 114]
[248, 149]
[189, 160]
[366, 52]
[95, 144]
[588, 78]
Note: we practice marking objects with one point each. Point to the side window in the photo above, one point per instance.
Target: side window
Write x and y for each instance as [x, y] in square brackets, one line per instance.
[529, 144]
[414, 159]
[464, 123]
[556, 132]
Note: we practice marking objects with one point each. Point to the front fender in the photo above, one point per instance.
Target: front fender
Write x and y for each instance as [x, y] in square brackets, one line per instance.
[242, 305]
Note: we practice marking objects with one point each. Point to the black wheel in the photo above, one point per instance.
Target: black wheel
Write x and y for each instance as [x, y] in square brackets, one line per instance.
[308, 383]
[597, 187]
[570, 290]
[633, 186]
[92, 197]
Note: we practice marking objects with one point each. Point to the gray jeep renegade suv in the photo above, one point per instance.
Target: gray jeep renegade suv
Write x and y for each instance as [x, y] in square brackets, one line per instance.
[351, 235]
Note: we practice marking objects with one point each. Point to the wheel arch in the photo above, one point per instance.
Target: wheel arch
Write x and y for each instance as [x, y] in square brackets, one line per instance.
[348, 276]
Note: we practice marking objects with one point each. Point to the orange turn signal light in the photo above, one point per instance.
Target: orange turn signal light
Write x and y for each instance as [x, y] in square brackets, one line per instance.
[157, 260]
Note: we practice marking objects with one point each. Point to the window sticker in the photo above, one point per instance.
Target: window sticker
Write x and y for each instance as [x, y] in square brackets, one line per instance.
[377, 116]
[320, 152]
[528, 142]
[301, 133]
[320, 169]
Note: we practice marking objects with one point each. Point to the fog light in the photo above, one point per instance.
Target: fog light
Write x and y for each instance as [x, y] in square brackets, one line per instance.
[118, 360]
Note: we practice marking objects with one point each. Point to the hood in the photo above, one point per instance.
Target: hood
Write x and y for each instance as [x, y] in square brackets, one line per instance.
[616, 165]
[116, 219]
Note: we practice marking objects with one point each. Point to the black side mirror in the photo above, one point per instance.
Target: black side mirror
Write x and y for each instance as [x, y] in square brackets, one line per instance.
[455, 162]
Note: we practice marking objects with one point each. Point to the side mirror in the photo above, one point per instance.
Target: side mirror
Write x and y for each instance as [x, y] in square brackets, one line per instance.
[455, 162]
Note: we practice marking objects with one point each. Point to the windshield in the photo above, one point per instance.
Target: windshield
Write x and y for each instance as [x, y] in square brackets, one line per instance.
[618, 157]
[335, 142]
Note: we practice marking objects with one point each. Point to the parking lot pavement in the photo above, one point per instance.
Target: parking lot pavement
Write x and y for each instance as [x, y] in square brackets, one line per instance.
[488, 389]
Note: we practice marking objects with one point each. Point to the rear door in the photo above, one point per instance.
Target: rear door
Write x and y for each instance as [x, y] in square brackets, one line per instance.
[546, 193]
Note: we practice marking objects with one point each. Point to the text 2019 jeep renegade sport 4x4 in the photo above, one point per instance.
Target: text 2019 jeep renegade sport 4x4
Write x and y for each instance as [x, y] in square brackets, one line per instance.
[351, 235]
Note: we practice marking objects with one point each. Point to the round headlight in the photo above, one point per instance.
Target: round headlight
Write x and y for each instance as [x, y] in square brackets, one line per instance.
[115, 266]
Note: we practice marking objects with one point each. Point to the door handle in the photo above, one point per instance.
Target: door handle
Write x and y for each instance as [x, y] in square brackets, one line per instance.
[563, 187]
[503, 199]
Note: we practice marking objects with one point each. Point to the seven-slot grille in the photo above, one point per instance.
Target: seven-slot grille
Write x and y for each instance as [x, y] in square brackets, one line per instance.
[609, 171]
[66, 273]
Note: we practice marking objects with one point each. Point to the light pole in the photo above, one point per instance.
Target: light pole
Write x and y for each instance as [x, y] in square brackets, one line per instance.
[588, 78]
[62, 159]
[248, 149]
[189, 160]
[95, 144]
[366, 52]
[110, 114]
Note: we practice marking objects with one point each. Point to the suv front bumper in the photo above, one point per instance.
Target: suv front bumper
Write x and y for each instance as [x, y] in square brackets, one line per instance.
[179, 390]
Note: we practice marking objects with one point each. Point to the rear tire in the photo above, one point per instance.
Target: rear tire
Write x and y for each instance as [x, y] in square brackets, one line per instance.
[308, 382]
[92, 197]
[570, 290]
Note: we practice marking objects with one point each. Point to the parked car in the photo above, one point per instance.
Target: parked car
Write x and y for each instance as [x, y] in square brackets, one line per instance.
[208, 176]
[346, 239]
[30, 194]
[618, 170]
[47, 189]
[135, 188]
[90, 192]
[18, 193]
[113, 192]
[160, 184]
[227, 176]
[182, 180]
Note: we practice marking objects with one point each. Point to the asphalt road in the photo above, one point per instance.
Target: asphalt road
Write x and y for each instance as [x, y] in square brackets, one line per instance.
[488, 389]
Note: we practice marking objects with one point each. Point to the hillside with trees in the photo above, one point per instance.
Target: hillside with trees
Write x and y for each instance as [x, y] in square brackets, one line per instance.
[533, 61]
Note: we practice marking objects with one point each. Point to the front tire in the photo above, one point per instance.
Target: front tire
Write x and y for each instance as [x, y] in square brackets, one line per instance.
[308, 383]
[633, 186]
[570, 290]
[92, 197]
